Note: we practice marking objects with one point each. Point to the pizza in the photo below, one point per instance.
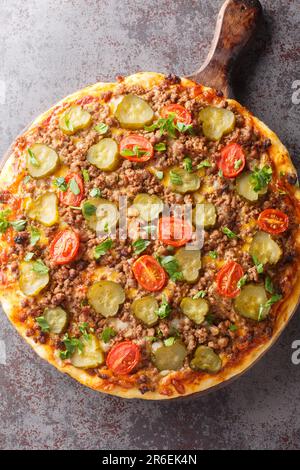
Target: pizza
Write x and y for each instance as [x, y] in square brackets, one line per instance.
[122, 300]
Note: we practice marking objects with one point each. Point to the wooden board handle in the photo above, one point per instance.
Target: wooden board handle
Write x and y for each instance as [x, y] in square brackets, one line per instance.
[236, 24]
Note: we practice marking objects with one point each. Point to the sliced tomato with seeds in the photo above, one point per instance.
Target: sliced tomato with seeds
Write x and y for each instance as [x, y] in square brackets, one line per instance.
[75, 191]
[149, 273]
[174, 231]
[136, 148]
[228, 278]
[123, 357]
[273, 221]
[232, 161]
[181, 114]
[64, 247]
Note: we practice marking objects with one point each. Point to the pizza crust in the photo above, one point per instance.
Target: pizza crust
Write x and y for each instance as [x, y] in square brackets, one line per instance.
[12, 297]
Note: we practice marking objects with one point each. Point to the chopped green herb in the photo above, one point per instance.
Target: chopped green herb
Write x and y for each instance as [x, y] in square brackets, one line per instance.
[260, 178]
[213, 254]
[140, 245]
[175, 178]
[269, 285]
[135, 152]
[238, 164]
[29, 256]
[188, 164]
[40, 267]
[88, 209]
[43, 324]
[159, 174]
[73, 185]
[19, 225]
[84, 330]
[229, 233]
[68, 123]
[220, 173]
[184, 127]
[242, 281]
[233, 328]
[170, 264]
[60, 183]
[35, 235]
[169, 341]
[259, 266]
[164, 309]
[150, 338]
[204, 164]
[4, 223]
[102, 248]
[71, 344]
[200, 295]
[86, 175]
[95, 192]
[107, 334]
[160, 147]
[209, 319]
[101, 128]
[275, 298]
[33, 160]
[168, 126]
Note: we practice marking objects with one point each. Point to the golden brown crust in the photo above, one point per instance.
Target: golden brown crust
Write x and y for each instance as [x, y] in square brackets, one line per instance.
[12, 296]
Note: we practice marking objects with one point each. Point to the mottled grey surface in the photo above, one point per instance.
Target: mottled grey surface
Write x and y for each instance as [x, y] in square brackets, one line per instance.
[49, 48]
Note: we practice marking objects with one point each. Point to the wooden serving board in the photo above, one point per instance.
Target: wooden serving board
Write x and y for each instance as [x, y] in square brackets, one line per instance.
[236, 25]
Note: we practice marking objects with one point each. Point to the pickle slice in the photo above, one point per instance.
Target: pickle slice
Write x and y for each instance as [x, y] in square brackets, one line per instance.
[216, 122]
[248, 303]
[105, 297]
[133, 112]
[104, 155]
[31, 282]
[265, 249]
[206, 359]
[74, 119]
[189, 263]
[145, 309]
[91, 356]
[205, 215]
[195, 309]
[170, 357]
[245, 189]
[181, 181]
[44, 209]
[104, 217]
[57, 319]
[149, 206]
[41, 160]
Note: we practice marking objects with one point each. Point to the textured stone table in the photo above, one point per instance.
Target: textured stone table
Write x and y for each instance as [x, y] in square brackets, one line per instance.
[49, 48]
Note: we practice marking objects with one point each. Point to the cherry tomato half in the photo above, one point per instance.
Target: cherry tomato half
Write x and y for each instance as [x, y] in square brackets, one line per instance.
[138, 148]
[123, 357]
[232, 161]
[228, 278]
[149, 273]
[273, 221]
[64, 246]
[174, 232]
[68, 197]
[181, 114]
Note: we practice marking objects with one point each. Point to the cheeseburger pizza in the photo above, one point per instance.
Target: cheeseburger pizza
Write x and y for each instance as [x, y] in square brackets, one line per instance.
[123, 300]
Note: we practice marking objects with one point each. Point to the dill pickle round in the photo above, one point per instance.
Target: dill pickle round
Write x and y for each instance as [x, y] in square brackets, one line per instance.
[104, 216]
[106, 297]
[44, 209]
[216, 122]
[104, 155]
[57, 319]
[170, 357]
[181, 181]
[206, 359]
[145, 309]
[133, 112]
[74, 119]
[265, 249]
[92, 355]
[244, 188]
[31, 282]
[205, 215]
[189, 263]
[195, 309]
[249, 302]
[41, 160]
[149, 206]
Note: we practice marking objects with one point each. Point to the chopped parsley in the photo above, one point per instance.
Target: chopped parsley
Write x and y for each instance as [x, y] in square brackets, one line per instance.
[242, 281]
[188, 164]
[269, 285]
[260, 178]
[28, 256]
[171, 265]
[160, 147]
[135, 152]
[95, 192]
[164, 309]
[238, 164]
[60, 183]
[168, 126]
[39, 267]
[259, 266]
[35, 235]
[73, 185]
[86, 175]
[84, 330]
[233, 328]
[71, 344]
[4, 223]
[229, 233]
[140, 245]
[200, 295]
[209, 318]
[32, 158]
[213, 254]
[101, 128]
[19, 225]
[175, 178]
[275, 298]
[102, 248]
[169, 341]
[43, 324]
[88, 209]
[204, 164]
[220, 173]
[107, 334]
